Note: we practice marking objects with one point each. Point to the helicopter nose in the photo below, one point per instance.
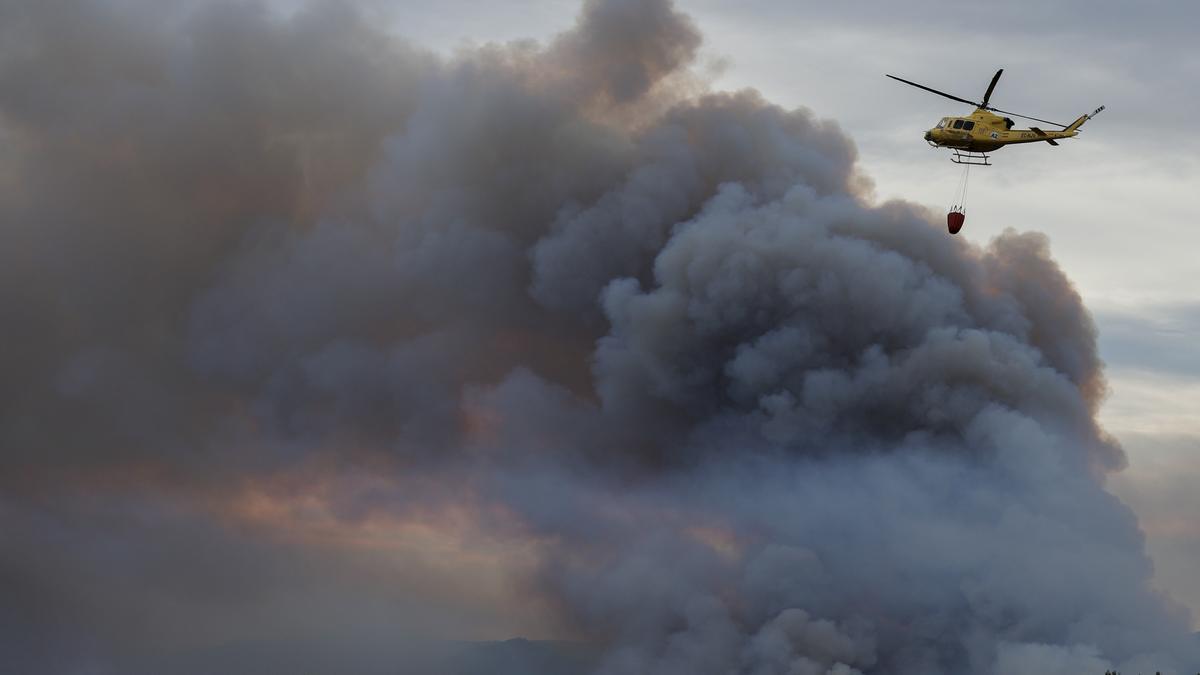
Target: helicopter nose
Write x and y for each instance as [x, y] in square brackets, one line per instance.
[929, 135]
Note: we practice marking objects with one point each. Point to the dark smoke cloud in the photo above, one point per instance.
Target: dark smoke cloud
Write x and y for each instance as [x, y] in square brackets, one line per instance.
[651, 336]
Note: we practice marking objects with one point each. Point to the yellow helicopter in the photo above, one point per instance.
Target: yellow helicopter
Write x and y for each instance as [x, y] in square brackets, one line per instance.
[983, 131]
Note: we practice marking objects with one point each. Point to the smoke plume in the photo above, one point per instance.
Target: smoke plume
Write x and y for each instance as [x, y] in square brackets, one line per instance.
[286, 295]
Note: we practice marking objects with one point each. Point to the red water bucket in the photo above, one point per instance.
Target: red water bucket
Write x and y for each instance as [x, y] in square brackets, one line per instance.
[955, 220]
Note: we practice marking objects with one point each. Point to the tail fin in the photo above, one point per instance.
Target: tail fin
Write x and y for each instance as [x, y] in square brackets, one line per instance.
[1083, 118]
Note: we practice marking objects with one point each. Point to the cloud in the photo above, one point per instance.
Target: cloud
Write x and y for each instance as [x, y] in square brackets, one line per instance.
[1160, 339]
[1159, 484]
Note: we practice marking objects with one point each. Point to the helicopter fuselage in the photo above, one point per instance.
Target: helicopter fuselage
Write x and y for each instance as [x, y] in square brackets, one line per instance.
[984, 131]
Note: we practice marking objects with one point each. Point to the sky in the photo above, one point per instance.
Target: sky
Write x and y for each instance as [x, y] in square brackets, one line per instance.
[344, 335]
[1116, 201]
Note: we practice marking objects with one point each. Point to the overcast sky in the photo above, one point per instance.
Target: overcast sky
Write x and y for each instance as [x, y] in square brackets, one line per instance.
[1118, 202]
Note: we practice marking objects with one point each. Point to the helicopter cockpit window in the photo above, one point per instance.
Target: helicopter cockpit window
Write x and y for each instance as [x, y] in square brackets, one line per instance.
[958, 124]
[967, 126]
[941, 123]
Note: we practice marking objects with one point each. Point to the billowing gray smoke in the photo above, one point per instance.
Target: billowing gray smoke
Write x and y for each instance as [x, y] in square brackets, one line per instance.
[749, 422]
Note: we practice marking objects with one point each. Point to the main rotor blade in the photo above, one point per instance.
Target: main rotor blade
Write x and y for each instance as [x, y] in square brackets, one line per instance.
[987, 97]
[984, 105]
[935, 91]
[1027, 117]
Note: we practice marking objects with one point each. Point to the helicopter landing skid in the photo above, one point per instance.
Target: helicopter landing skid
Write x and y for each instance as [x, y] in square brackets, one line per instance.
[968, 157]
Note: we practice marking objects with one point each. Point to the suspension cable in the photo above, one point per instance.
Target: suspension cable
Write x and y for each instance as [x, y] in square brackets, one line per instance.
[960, 193]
